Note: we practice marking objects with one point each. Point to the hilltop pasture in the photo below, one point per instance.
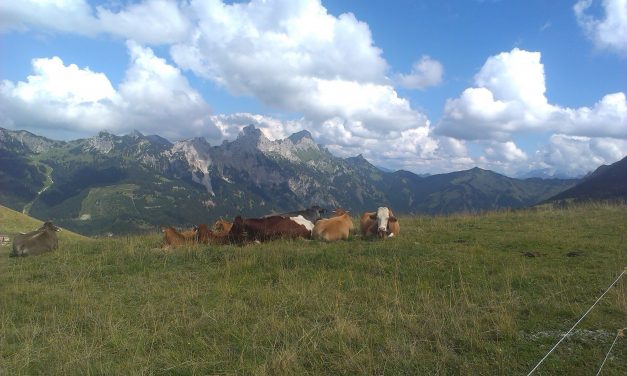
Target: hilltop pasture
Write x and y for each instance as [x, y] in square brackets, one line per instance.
[465, 294]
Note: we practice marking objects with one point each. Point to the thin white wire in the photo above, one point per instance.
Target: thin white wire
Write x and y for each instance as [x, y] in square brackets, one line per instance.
[610, 350]
[578, 321]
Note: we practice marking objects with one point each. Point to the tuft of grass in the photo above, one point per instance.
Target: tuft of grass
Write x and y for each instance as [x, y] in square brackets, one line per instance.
[451, 295]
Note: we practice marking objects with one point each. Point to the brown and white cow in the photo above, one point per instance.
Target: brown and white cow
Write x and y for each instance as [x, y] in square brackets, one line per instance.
[338, 227]
[36, 242]
[381, 223]
[246, 230]
[312, 214]
[173, 238]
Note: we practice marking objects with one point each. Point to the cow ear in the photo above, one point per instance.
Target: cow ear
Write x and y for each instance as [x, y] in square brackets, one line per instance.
[392, 219]
[373, 216]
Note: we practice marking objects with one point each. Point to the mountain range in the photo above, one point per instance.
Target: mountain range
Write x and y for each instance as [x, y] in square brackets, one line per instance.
[121, 184]
[605, 183]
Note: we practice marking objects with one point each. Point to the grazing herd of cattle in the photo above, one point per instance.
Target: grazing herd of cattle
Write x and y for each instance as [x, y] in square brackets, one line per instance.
[306, 224]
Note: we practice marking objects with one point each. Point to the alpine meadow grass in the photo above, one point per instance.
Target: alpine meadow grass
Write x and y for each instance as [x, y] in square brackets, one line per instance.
[472, 294]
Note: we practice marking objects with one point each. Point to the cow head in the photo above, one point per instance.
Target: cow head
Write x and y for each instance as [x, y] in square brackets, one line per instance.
[49, 226]
[383, 216]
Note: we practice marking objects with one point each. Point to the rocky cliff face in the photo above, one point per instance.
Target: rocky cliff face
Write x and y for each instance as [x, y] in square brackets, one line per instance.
[196, 153]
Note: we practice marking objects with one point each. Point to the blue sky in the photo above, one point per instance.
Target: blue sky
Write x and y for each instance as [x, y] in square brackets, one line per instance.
[427, 86]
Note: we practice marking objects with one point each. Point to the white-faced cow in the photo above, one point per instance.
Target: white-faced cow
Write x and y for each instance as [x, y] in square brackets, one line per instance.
[36, 242]
[381, 223]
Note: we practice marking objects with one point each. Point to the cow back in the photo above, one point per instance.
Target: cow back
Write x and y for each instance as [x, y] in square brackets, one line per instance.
[334, 228]
[171, 237]
[262, 229]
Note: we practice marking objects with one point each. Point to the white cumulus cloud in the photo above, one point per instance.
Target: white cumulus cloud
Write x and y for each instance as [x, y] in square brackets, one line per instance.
[505, 151]
[150, 21]
[424, 73]
[72, 16]
[153, 97]
[509, 102]
[576, 155]
[509, 99]
[608, 32]
[296, 57]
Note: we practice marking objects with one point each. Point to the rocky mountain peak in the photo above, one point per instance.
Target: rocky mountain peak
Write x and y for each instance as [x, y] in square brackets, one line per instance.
[136, 134]
[103, 142]
[360, 162]
[158, 140]
[251, 132]
[298, 136]
[299, 147]
[25, 139]
[251, 139]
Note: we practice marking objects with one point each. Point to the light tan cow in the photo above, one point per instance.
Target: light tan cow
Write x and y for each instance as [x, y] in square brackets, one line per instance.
[222, 227]
[173, 238]
[335, 228]
[382, 223]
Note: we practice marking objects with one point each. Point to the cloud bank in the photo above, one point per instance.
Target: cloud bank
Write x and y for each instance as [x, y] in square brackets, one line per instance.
[323, 71]
[153, 97]
[508, 101]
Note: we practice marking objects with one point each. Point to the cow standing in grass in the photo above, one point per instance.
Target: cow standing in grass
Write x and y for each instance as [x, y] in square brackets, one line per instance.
[36, 242]
[381, 223]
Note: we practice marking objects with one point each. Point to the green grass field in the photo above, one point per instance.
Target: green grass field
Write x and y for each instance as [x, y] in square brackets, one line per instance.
[452, 295]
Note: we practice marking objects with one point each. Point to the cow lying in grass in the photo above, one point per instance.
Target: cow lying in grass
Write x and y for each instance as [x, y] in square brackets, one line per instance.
[312, 214]
[36, 242]
[173, 238]
[222, 227]
[338, 227]
[381, 223]
[246, 230]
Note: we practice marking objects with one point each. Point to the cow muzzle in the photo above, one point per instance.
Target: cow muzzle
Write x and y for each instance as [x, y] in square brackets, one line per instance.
[382, 232]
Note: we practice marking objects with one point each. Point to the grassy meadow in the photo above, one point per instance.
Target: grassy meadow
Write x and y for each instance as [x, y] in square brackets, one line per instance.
[452, 295]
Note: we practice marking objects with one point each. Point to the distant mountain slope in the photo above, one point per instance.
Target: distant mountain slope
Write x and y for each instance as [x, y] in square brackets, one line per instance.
[12, 222]
[131, 183]
[605, 183]
[471, 190]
